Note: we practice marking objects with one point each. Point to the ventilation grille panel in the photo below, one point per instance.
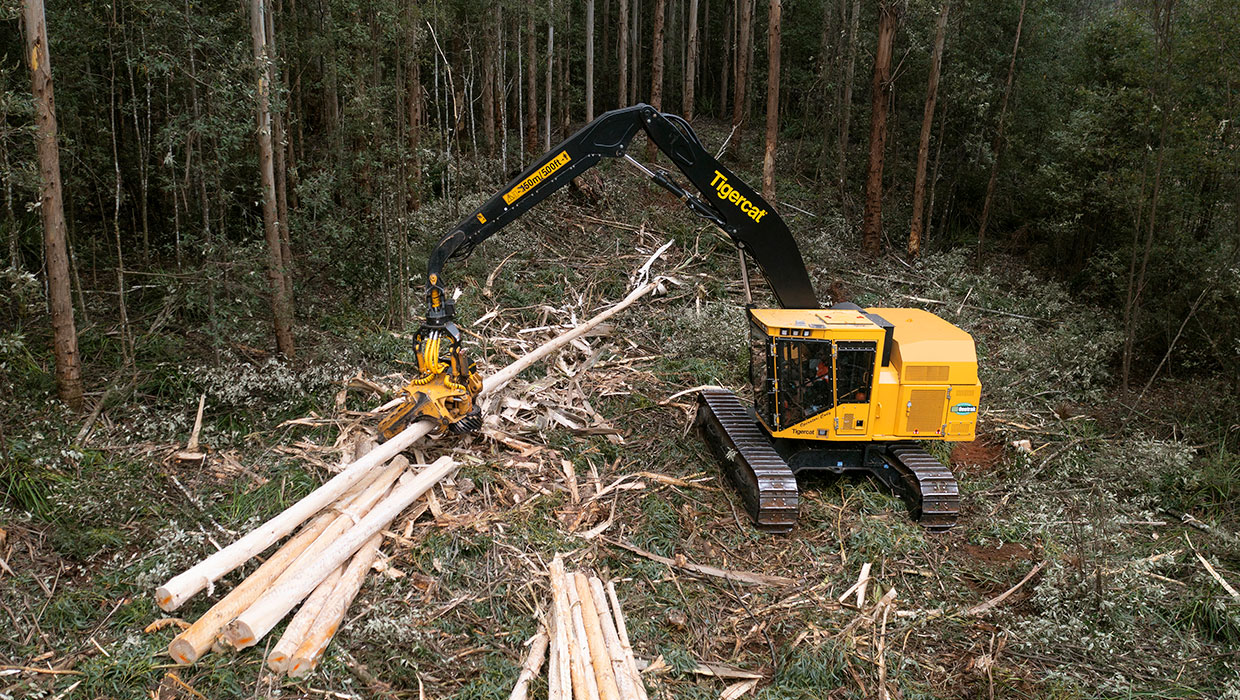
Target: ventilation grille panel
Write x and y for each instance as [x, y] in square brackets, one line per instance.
[927, 373]
[925, 411]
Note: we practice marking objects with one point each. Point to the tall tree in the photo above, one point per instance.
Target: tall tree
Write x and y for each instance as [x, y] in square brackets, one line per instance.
[531, 86]
[996, 146]
[772, 99]
[691, 61]
[589, 60]
[740, 98]
[550, 64]
[489, 54]
[927, 121]
[623, 51]
[281, 304]
[51, 206]
[656, 66]
[845, 110]
[872, 221]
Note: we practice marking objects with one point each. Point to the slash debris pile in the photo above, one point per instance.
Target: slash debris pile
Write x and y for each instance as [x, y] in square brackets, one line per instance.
[326, 562]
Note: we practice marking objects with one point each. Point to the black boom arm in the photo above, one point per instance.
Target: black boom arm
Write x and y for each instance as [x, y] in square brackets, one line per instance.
[726, 201]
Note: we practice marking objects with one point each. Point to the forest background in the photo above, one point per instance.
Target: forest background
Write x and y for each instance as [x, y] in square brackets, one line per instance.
[1090, 145]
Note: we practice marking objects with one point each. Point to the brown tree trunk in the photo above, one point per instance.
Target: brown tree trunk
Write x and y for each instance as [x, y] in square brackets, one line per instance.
[589, 61]
[64, 334]
[927, 121]
[872, 222]
[726, 61]
[772, 100]
[740, 99]
[656, 66]
[997, 145]
[281, 305]
[416, 108]
[623, 50]
[691, 61]
[489, 53]
[850, 67]
[531, 88]
[550, 64]
[280, 167]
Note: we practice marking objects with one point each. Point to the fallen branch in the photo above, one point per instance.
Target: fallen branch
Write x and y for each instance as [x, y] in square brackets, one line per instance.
[530, 669]
[744, 577]
[983, 607]
[507, 374]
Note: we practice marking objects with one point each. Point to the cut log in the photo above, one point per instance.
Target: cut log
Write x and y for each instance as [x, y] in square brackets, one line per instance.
[623, 632]
[627, 680]
[182, 587]
[307, 657]
[553, 660]
[582, 680]
[258, 620]
[529, 670]
[240, 637]
[600, 660]
[191, 644]
[295, 633]
[559, 673]
[611, 640]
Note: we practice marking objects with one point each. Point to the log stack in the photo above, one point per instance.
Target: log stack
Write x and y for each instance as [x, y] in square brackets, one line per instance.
[324, 564]
[589, 656]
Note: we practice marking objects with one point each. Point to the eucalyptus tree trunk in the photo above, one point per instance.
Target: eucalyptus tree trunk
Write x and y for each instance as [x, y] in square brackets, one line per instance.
[872, 222]
[589, 60]
[550, 62]
[623, 51]
[279, 142]
[997, 146]
[845, 110]
[51, 207]
[488, 78]
[531, 88]
[656, 66]
[727, 46]
[740, 99]
[281, 305]
[772, 100]
[927, 122]
[691, 62]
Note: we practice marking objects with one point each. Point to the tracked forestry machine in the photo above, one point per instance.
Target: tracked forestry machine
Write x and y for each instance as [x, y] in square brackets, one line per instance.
[840, 389]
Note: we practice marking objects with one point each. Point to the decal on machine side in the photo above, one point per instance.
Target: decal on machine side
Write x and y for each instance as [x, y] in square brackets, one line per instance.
[539, 175]
[728, 193]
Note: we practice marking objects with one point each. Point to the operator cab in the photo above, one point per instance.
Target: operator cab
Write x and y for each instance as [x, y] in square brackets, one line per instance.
[848, 373]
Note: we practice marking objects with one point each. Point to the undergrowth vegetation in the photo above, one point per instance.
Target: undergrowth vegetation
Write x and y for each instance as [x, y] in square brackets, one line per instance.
[1123, 606]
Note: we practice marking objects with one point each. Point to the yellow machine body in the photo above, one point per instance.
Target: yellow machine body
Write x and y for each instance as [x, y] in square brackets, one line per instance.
[863, 375]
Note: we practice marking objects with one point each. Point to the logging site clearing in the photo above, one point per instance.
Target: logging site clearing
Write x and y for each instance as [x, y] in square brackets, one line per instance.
[1095, 554]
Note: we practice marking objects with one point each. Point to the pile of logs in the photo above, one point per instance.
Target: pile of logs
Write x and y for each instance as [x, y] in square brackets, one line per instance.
[324, 564]
[589, 655]
[322, 567]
